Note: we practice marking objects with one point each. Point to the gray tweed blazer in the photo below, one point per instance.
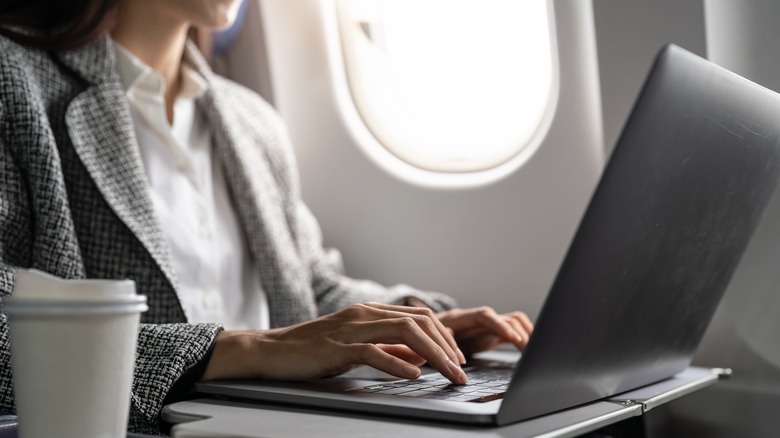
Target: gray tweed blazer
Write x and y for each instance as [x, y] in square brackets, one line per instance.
[74, 201]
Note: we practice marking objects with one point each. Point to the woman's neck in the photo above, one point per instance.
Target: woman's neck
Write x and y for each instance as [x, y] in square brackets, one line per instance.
[155, 40]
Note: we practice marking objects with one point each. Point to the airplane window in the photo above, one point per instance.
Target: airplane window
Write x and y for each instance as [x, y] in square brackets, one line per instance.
[449, 85]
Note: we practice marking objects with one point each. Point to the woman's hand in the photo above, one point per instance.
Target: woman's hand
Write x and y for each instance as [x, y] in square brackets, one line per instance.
[393, 339]
[483, 329]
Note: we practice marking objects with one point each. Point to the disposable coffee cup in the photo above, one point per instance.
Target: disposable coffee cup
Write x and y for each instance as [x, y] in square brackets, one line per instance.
[72, 351]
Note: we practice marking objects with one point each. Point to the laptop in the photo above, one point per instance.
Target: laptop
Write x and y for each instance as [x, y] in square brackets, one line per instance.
[684, 189]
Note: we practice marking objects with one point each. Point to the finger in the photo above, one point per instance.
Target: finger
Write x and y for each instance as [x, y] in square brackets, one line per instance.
[415, 338]
[373, 312]
[521, 319]
[403, 352]
[373, 356]
[430, 324]
[519, 330]
[483, 342]
[445, 332]
[524, 320]
[472, 332]
[495, 323]
[406, 331]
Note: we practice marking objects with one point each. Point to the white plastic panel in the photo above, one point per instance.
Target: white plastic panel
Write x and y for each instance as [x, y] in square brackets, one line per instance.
[498, 243]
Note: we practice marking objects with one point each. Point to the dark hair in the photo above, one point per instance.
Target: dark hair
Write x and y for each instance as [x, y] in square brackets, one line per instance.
[56, 24]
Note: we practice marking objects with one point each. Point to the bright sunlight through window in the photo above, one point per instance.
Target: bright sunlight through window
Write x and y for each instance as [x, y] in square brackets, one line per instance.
[449, 85]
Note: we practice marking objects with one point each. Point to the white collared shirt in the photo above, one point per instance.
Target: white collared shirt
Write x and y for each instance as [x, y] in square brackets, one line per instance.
[217, 281]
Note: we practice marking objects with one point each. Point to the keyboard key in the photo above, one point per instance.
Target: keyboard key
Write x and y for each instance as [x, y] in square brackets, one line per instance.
[392, 391]
[484, 385]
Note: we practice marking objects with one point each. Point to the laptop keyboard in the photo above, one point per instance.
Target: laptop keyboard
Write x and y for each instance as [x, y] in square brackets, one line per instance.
[486, 383]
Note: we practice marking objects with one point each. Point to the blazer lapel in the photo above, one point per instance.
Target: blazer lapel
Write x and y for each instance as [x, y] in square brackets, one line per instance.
[260, 203]
[101, 130]
[285, 281]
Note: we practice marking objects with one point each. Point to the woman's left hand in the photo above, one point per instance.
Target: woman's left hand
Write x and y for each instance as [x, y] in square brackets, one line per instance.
[482, 329]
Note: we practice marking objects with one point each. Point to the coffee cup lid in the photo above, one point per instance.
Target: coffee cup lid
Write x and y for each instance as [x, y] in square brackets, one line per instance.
[39, 293]
[35, 285]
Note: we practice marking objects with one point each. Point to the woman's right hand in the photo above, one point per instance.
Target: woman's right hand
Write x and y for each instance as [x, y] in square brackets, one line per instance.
[393, 339]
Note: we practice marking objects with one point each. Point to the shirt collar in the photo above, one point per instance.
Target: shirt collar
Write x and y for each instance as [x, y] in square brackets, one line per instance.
[136, 76]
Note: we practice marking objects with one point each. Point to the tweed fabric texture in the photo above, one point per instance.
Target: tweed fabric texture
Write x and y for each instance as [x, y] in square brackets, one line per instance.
[75, 202]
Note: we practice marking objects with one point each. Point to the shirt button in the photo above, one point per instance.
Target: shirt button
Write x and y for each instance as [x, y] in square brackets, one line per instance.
[182, 166]
[203, 232]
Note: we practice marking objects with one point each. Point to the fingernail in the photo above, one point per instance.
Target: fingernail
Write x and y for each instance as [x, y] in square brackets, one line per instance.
[458, 373]
[411, 371]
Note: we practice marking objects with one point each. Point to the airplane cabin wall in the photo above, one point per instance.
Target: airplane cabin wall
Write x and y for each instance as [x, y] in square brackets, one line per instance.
[742, 36]
[501, 244]
[629, 34]
[739, 35]
[498, 244]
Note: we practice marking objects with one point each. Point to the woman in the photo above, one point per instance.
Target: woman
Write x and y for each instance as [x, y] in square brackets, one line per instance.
[124, 156]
